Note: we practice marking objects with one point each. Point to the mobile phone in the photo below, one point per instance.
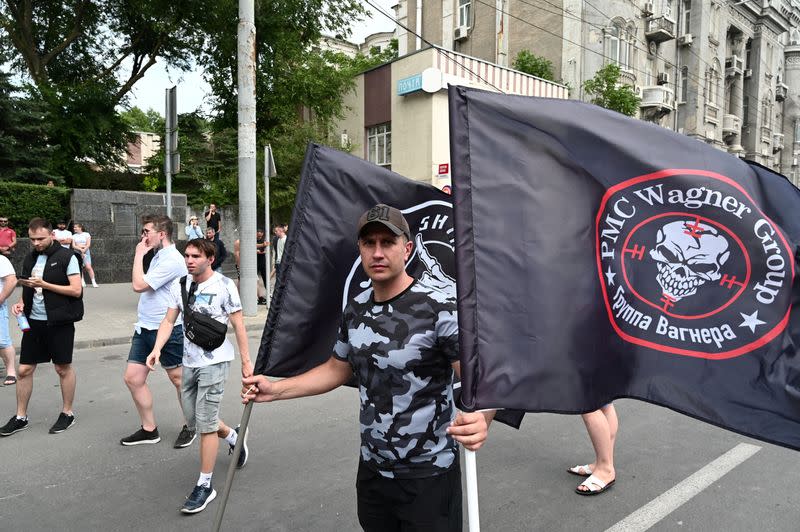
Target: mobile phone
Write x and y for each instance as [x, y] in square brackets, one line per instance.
[22, 277]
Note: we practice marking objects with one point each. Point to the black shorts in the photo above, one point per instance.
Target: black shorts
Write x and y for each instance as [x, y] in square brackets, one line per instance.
[47, 343]
[431, 504]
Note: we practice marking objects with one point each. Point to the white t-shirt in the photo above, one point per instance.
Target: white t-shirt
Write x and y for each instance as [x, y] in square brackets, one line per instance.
[38, 310]
[81, 238]
[216, 297]
[167, 266]
[60, 234]
[6, 269]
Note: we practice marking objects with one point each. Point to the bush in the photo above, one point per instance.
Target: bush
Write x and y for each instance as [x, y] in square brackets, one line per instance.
[21, 202]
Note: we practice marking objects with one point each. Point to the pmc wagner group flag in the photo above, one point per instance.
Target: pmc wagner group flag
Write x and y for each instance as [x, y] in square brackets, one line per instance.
[601, 257]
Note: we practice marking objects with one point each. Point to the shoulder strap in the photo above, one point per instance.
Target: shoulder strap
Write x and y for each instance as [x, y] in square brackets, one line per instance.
[187, 312]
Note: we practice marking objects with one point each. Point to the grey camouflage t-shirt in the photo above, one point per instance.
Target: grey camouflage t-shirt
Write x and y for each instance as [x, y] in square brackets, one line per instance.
[402, 352]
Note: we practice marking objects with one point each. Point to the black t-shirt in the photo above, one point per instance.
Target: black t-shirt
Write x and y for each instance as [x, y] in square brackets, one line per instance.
[213, 221]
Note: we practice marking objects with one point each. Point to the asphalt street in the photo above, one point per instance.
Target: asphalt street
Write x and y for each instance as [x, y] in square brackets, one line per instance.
[303, 456]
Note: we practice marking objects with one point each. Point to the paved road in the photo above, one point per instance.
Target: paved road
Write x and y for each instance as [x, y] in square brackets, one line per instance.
[303, 458]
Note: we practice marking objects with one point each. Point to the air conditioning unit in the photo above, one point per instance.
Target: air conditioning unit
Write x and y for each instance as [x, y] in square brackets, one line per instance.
[748, 73]
[685, 40]
[647, 10]
[462, 32]
[662, 78]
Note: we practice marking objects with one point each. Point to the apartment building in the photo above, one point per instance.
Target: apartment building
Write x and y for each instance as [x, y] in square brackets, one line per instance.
[397, 116]
[726, 72]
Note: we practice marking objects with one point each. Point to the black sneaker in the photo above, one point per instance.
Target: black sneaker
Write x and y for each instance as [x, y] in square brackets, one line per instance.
[262, 300]
[185, 438]
[63, 422]
[141, 437]
[243, 455]
[198, 499]
[13, 425]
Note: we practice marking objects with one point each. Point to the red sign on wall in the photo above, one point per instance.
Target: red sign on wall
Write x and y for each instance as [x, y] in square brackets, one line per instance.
[444, 169]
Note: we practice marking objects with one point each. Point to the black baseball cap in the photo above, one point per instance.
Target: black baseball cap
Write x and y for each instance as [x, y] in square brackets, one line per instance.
[388, 216]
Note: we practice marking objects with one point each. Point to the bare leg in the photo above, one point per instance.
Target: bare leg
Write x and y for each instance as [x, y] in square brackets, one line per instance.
[24, 387]
[136, 379]
[600, 433]
[174, 375]
[9, 359]
[67, 376]
[90, 271]
[209, 445]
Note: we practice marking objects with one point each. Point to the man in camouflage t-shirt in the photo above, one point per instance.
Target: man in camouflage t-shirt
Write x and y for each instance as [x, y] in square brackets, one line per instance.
[400, 339]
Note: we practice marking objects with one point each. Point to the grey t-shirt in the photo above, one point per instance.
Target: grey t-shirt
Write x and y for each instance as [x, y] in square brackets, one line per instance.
[402, 351]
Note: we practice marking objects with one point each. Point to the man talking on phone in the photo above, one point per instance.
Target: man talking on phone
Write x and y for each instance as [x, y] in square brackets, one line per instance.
[52, 300]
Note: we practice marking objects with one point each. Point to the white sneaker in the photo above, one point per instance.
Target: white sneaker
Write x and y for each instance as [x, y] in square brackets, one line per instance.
[83, 283]
[94, 284]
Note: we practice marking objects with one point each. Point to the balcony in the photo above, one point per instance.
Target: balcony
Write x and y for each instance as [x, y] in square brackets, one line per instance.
[712, 113]
[777, 142]
[660, 29]
[734, 66]
[658, 98]
[781, 92]
[731, 125]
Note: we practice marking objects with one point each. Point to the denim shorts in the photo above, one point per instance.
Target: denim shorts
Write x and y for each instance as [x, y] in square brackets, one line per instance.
[5, 336]
[201, 395]
[171, 354]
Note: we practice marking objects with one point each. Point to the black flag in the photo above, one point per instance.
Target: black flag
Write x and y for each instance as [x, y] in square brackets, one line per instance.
[601, 257]
[321, 269]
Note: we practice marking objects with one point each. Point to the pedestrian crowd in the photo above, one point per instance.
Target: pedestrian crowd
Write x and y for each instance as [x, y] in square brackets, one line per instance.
[398, 339]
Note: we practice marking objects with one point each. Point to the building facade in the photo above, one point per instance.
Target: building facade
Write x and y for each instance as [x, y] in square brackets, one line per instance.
[398, 113]
[726, 72]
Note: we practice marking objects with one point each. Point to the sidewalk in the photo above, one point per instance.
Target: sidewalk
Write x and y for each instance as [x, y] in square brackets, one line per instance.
[109, 315]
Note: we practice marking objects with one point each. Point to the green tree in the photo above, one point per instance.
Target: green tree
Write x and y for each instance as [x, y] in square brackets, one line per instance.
[24, 151]
[534, 65]
[606, 91]
[138, 120]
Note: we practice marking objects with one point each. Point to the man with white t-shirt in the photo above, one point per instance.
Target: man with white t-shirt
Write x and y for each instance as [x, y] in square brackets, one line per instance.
[205, 372]
[8, 281]
[167, 266]
[63, 235]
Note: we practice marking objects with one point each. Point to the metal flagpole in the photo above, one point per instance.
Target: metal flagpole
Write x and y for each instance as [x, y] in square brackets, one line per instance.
[226, 490]
[470, 466]
[269, 172]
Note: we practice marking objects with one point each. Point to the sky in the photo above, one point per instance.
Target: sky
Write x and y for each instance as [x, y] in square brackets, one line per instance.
[148, 93]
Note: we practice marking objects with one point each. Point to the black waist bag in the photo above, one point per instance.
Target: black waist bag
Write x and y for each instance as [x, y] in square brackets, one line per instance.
[201, 330]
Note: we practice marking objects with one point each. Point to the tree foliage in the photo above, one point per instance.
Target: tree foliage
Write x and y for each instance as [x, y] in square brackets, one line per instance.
[137, 120]
[24, 152]
[606, 91]
[534, 65]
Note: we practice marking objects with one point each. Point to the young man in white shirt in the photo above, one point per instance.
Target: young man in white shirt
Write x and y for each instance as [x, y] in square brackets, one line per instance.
[205, 372]
[154, 286]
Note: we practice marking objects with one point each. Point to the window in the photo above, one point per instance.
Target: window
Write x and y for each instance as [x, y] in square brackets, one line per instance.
[797, 130]
[746, 111]
[684, 83]
[668, 8]
[687, 9]
[618, 45]
[794, 37]
[379, 144]
[766, 111]
[464, 9]
[748, 52]
[714, 21]
[713, 83]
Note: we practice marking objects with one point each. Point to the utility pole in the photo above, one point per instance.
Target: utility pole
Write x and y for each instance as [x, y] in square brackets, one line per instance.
[246, 80]
[171, 156]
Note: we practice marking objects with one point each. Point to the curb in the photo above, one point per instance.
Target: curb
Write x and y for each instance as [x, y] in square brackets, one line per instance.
[120, 340]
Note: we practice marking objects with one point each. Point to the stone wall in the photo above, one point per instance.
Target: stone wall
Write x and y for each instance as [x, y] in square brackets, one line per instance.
[113, 218]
